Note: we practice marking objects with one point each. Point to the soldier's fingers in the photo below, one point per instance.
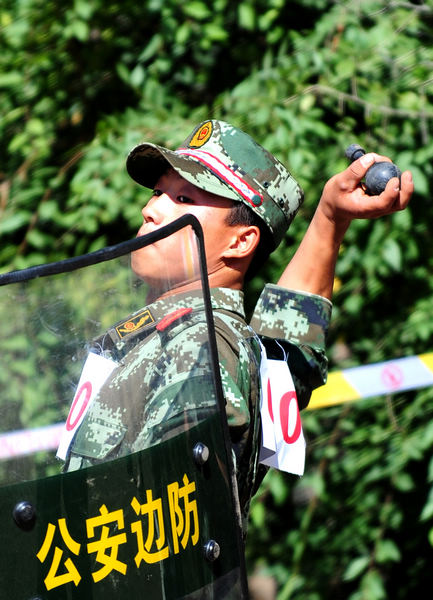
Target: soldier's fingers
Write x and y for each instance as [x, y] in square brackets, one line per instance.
[357, 170]
[396, 195]
[405, 192]
[389, 198]
[350, 179]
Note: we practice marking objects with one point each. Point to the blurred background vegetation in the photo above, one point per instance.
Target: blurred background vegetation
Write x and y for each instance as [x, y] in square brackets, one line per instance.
[82, 81]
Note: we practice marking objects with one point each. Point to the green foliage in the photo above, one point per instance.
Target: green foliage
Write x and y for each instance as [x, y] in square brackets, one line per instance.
[83, 82]
[350, 527]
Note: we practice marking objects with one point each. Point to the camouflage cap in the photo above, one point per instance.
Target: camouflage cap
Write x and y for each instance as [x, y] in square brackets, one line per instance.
[223, 160]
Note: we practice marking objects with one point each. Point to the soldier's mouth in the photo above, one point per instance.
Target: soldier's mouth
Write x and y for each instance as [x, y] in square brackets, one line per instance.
[145, 228]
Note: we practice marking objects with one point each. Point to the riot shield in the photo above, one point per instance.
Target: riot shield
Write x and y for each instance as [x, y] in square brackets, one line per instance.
[116, 479]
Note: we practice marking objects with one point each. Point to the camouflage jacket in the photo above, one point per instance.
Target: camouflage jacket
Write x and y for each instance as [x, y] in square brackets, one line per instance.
[163, 382]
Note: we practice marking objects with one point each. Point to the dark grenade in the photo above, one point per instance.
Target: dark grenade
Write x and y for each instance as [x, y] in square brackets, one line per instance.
[377, 175]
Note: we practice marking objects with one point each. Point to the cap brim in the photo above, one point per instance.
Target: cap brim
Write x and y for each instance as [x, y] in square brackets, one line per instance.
[147, 162]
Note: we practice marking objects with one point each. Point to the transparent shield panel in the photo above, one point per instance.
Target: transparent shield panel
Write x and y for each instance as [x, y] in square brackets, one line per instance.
[48, 331]
[115, 468]
[106, 360]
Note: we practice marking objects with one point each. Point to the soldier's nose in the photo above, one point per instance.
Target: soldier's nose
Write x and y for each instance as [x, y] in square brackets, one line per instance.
[147, 214]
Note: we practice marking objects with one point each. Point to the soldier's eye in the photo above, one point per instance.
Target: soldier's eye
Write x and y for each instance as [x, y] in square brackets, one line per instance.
[157, 192]
[185, 200]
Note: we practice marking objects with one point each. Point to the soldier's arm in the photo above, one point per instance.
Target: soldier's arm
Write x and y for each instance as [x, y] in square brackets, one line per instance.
[312, 268]
[293, 327]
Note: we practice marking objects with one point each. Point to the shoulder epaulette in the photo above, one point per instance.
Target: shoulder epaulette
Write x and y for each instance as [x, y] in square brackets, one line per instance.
[172, 317]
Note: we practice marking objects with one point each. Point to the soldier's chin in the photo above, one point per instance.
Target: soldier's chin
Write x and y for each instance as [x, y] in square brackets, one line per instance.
[140, 266]
[151, 272]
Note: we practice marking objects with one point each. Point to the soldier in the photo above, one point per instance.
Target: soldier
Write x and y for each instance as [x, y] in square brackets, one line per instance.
[245, 199]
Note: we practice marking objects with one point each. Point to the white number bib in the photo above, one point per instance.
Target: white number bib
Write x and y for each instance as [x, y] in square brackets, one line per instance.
[95, 372]
[283, 443]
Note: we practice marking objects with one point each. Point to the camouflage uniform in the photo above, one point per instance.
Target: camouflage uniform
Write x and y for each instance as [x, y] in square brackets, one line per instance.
[163, 383]
[164, 363]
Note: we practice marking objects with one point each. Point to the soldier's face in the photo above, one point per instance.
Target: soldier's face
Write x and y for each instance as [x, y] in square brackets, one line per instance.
[173, 197]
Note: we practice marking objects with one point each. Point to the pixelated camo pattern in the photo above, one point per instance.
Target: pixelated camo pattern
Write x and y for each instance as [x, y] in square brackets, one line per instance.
[163, 383]
[281, 193]
[299, 323]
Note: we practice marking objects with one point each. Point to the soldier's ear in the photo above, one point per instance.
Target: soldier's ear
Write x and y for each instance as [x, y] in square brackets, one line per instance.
[244, 242]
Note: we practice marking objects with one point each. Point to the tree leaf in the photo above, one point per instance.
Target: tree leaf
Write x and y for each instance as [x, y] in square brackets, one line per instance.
[356, 567]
